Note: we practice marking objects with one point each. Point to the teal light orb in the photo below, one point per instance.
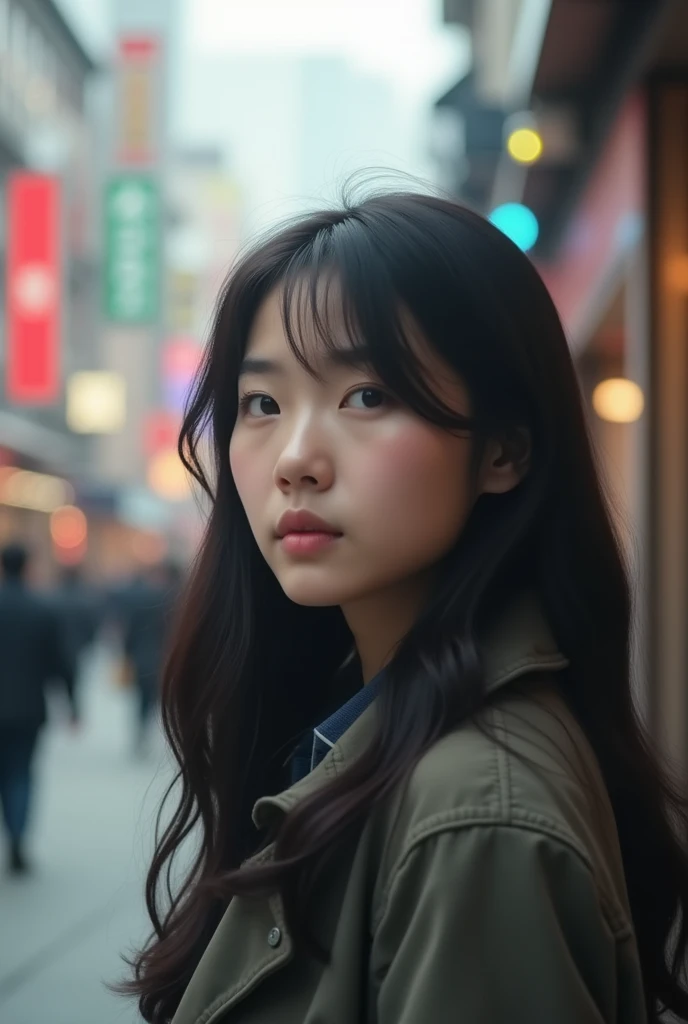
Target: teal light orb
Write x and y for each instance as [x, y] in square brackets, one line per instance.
[518, 223]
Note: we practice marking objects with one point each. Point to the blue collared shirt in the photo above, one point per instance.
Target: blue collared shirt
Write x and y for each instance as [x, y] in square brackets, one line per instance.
[316, 743]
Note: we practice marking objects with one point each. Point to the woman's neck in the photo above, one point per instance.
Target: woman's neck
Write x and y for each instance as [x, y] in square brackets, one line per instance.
[379, 621]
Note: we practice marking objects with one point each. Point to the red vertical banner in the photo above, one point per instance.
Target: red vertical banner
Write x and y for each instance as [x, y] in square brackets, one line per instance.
[33, 288]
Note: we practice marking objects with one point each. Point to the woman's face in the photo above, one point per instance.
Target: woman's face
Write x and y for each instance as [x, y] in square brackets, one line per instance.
[393, 490]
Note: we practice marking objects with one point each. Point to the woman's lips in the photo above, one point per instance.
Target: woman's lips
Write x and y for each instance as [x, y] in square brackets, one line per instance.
[308, 542]
[302, 520]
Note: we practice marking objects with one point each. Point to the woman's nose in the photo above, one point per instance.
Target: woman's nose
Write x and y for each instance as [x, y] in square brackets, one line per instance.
[304, 464]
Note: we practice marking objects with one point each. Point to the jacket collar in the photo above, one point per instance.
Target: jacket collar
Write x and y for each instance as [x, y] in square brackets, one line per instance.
[319, 740]
[521, 642]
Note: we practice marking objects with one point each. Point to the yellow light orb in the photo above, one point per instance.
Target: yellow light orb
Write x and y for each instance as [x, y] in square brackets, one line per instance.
[618, 400]
[524, 145]
[167, 476]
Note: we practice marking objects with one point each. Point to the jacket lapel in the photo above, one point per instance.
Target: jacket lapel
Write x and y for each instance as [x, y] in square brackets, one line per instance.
[251, 941]
[519, 644]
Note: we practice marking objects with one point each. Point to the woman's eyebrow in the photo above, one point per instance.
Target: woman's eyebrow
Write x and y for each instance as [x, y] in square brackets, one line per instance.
[251, 364]
[349, 356]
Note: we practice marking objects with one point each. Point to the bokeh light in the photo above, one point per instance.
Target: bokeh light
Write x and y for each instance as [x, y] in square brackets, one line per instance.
[167, 476]
[39, 492]
[518, 223]
[618, 400]
[68, 527]
[524, 145]
[96, 402]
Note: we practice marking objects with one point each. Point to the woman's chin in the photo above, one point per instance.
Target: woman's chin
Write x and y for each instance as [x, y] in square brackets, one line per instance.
[314, 591]
[312, 597]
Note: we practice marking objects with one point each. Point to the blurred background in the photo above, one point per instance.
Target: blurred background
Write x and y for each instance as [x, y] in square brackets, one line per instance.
[142, 142]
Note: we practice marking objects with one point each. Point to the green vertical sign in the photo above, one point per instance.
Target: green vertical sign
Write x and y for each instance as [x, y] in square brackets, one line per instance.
[132, 249]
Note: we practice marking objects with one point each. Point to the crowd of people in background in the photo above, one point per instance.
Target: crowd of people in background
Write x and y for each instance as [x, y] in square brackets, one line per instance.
[44, 640]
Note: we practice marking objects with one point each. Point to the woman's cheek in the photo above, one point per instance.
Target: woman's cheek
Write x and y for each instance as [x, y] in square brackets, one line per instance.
[236, 461]
[411, 461]
[246, 470]
[414, 490]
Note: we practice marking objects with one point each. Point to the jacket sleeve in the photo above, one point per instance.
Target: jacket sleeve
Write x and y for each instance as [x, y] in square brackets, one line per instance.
[493, 924]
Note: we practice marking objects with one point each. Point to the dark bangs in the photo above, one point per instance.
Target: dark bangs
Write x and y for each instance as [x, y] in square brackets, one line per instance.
[339, 294]
[386, 287]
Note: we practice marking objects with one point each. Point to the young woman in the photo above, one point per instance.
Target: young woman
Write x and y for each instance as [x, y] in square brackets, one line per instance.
[399, 692]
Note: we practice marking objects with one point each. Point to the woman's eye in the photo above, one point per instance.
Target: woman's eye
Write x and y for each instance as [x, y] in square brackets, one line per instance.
[365, 398]
[259, 405]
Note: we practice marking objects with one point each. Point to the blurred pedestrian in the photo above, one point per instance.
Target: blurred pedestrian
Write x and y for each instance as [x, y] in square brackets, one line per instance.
[79, 615]
[146, 612]
[31, 656]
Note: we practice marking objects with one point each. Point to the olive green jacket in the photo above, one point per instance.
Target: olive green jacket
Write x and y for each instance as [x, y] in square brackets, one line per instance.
[488, 890]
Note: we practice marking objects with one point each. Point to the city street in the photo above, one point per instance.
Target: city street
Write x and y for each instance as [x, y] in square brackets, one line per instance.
[447, 242]
[62, 929]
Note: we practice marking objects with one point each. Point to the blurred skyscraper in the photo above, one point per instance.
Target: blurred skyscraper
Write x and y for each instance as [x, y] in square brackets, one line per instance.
[295, 125]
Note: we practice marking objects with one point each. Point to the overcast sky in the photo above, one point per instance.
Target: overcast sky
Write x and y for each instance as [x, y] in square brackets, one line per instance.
[403, 40]
[232, 53]
[400, 39]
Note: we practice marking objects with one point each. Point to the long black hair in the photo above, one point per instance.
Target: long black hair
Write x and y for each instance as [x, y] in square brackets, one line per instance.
[245, 676]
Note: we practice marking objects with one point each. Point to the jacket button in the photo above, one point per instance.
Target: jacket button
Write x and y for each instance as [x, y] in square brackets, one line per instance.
[274, 937]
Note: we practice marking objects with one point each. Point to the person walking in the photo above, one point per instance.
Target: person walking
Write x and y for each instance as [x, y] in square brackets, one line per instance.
[32, 656]
[147, 606]
[78, 612]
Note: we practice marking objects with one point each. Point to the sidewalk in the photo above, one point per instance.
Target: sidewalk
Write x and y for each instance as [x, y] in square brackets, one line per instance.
[63, 928]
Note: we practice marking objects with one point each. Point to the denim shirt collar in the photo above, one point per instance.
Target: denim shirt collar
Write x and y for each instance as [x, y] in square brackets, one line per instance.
[317, 742]
[520, 642]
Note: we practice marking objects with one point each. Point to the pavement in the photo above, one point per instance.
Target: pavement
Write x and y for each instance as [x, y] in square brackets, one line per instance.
[63, 928]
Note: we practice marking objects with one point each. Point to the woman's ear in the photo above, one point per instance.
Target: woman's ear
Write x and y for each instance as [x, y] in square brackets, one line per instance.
[506, 461]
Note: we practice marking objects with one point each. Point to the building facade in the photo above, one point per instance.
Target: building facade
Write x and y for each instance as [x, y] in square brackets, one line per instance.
[45, 128]
[606, 87]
